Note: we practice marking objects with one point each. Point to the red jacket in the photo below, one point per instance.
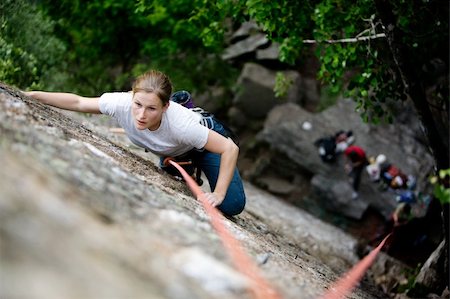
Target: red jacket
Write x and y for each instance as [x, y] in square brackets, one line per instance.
[355, 153]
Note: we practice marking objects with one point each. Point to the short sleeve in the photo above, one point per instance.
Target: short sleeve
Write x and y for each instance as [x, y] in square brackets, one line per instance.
[112, 102]
[196, 135]
[186, 126]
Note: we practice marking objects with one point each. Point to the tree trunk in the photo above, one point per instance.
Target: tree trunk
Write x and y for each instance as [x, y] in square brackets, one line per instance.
[416, 92]
[445, 216]
[412, 84]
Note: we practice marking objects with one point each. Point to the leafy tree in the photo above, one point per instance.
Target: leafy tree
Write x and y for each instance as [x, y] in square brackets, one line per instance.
[110, 42]
[29, 50]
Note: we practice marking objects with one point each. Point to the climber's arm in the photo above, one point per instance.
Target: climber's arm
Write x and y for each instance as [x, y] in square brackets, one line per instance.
[67, 101]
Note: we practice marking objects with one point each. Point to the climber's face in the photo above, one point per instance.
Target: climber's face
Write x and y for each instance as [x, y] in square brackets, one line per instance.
[147, 109]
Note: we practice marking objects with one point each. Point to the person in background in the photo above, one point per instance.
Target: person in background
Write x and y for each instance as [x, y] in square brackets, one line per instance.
[356, 161]
[326, 146]
[343, 140]
[166, 129]
[375, 167]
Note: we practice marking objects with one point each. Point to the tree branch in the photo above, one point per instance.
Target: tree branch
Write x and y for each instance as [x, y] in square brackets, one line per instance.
[346, 40]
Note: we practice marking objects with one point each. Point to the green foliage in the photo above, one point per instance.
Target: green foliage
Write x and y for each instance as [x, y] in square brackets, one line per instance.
[441, 186]
[212, 20]
[29, 50]
[17, 66]
[282, 84]
[284, 21]
[110, 42]
[352, 66]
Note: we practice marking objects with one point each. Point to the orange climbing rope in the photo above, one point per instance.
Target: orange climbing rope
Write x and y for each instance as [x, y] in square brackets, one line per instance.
[348, 281]
[259, 287]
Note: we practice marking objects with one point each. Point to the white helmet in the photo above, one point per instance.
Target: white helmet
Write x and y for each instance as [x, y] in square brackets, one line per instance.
[380, 159]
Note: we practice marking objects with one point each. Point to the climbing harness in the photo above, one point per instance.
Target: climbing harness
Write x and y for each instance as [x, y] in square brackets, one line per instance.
[188, 165]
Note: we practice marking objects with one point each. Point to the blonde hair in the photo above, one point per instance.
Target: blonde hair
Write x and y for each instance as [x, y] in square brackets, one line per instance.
[154, 82]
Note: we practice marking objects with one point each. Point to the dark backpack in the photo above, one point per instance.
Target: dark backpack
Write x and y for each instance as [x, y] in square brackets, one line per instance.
[208, 119]
[327, 148]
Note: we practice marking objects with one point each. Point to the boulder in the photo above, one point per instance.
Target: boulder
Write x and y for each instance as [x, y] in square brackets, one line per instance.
[430, 276]
[272, 52]
[255, 96]
[245, 46]
[244, 31]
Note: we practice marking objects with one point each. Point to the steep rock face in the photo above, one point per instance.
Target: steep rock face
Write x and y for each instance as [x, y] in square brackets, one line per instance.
[84, 217]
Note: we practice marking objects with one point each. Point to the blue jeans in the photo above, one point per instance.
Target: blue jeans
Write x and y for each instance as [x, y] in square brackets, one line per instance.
[209, 163]
[234, 201]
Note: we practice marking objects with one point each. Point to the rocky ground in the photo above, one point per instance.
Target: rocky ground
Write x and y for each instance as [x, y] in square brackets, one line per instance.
[83, 214]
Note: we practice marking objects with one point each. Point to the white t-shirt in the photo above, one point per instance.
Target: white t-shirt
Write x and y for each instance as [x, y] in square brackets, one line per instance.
[179, 132]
